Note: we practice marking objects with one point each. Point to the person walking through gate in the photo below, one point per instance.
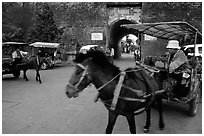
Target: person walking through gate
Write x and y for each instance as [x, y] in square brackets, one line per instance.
[137, 53]
[111, 54]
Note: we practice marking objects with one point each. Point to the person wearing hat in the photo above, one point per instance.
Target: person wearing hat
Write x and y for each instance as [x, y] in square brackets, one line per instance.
[178, 61]
[178, 67]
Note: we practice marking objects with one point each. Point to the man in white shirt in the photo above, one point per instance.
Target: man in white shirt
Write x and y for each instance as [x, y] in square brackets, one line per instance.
[17, 56]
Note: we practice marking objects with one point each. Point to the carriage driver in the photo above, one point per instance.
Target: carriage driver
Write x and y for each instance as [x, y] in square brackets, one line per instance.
[178, 65]
[17, 56]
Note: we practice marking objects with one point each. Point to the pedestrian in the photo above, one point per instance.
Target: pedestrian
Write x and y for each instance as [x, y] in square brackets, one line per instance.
[137, 54]
[112, 53]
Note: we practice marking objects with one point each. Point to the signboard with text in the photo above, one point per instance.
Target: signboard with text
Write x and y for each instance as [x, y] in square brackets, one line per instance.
[97, 36]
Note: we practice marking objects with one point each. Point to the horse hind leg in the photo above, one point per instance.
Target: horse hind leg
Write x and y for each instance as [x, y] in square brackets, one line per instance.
[111, 122]
[148, 120]
[24, 75]
[131, 122]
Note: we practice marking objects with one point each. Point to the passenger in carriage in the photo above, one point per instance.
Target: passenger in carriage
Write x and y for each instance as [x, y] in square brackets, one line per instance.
[17, 56]
[178, 67]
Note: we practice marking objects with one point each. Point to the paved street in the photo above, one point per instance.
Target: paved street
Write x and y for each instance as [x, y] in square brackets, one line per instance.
[33, 108]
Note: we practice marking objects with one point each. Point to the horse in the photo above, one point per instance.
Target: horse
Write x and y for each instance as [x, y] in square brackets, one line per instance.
[126, 92]
[31, 62]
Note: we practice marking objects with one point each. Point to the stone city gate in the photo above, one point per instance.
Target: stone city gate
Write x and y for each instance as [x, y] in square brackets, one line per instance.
[117, 16]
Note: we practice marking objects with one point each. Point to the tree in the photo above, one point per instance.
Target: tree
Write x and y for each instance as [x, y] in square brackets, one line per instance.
[16, 21]
[45, 29]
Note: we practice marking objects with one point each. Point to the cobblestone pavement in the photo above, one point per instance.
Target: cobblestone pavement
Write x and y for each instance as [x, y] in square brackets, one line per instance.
[32, 108]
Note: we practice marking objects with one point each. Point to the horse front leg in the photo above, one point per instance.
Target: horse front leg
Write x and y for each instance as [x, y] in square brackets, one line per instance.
[148, 120]
[111, 122]
[160, 109]
[24, 75]
[131, 122]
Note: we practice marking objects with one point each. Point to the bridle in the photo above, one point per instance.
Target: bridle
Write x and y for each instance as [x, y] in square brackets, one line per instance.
[84, 74]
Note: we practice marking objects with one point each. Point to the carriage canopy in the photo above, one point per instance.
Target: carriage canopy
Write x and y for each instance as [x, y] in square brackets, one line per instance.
[45, 45]
[168, 30]
[13, 43]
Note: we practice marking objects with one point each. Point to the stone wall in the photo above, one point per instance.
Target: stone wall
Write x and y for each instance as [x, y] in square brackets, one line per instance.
[88, 22]
[81, 21]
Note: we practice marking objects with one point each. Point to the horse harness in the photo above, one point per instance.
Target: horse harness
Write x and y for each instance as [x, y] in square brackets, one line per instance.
[85, 73]
[119, 86]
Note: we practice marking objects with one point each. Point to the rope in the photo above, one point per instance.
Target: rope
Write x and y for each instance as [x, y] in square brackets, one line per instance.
[132, 99]
[114, 79]
[120, 85]
[138, 92]
[108, 82]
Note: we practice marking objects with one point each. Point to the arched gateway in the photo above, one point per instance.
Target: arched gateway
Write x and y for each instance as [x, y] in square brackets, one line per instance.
[119, 15]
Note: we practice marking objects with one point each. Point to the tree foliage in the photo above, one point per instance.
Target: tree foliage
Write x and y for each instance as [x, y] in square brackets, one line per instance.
[28, 22]
[16, 21]
[45, 29]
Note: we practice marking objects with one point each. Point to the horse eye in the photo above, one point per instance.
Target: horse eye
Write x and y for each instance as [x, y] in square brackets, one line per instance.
[78, 72]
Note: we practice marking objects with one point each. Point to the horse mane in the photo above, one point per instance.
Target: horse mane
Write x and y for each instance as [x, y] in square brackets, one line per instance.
[99, 58]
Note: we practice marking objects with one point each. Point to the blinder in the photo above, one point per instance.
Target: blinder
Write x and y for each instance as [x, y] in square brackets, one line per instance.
[84, 74]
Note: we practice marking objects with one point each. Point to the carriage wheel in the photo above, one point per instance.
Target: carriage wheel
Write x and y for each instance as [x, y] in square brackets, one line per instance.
[16, 73]
[193, 105]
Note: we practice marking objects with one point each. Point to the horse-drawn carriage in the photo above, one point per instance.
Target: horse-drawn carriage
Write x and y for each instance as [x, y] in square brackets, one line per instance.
[134, 90]
[11, 66]
[7, 49]
[48, 51]
[176, 31]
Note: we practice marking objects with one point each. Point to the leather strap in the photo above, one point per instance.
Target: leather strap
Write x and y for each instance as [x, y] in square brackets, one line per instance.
[117, 90]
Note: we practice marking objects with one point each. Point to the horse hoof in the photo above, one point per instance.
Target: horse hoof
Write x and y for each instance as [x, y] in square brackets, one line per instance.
[145, 130]
[161, 128]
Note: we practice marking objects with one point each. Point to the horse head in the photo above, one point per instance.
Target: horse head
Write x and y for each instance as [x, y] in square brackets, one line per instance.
[80, 78]
[87, 69]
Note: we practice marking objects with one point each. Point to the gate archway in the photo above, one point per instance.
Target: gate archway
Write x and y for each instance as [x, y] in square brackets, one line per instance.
[116, 33]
